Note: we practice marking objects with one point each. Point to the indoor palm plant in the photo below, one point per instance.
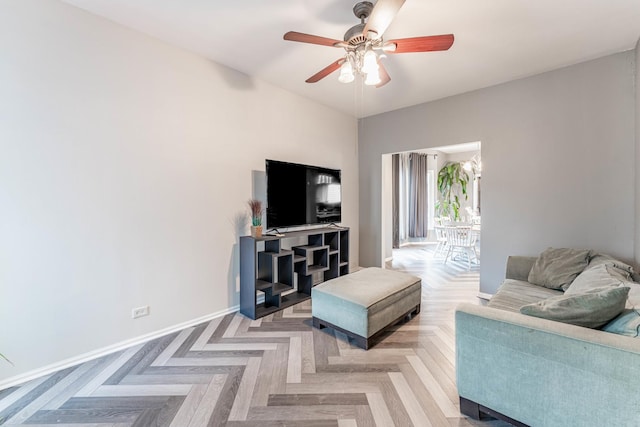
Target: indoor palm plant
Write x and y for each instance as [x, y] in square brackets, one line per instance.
[255, 209]
[452, 183]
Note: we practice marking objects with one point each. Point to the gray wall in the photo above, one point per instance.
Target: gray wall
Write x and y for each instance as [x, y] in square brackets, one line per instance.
[558, 156]
[637, 224]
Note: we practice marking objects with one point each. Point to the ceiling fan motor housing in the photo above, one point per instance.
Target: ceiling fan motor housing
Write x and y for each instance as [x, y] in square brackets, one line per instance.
[354, 35]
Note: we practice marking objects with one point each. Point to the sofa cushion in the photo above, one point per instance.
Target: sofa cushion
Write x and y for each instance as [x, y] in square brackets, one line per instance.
[603, 259]
[605, 275]
[556, 268]
[368, 286]
[591, 309]
[627, 323]
[366, 301]
[634, 295]
[597, 277]
[519, 267]
[631, 277]
[513, 294]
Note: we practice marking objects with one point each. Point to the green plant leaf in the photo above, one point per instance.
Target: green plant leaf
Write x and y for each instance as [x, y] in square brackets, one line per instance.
[450, 176]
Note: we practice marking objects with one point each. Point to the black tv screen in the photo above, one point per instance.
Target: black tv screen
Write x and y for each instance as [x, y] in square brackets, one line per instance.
[302, 194]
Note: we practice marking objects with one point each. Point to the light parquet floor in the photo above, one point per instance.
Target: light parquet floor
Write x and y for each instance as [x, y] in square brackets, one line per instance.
[275, 371]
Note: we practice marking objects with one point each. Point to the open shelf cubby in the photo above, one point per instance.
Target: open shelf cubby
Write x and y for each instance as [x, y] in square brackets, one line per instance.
[283, 267]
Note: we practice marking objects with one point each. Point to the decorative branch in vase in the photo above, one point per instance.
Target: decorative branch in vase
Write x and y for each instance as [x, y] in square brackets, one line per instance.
[256, 211]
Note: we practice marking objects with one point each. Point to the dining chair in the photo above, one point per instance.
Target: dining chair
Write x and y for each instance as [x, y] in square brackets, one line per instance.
[461, 240]
[441, 238]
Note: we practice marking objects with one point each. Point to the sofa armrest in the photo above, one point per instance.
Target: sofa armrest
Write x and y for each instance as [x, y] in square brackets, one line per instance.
[545, 373]
[518, 267]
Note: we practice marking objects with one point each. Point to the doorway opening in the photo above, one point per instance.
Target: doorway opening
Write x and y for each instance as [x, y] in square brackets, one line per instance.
[413, 209]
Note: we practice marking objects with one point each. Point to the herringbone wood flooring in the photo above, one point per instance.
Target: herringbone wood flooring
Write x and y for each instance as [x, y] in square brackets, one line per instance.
[275, 371]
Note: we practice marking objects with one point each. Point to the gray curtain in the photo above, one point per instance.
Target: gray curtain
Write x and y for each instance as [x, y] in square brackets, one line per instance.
[395, 195]
[410, 196]
[403, 197]
[418, 192]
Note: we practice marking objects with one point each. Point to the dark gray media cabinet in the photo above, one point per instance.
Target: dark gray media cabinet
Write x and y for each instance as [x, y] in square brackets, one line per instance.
[270, 264]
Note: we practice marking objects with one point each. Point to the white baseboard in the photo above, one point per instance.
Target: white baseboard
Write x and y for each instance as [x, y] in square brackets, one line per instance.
[484, 296]
[54, 367]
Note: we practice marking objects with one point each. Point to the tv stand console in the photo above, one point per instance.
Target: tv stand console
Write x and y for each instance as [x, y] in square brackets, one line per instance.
[283, 267]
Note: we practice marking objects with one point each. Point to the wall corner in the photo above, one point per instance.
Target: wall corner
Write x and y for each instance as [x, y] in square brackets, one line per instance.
[636, 74]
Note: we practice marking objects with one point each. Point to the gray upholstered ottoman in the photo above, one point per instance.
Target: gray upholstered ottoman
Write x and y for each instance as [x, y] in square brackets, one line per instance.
[364, 303]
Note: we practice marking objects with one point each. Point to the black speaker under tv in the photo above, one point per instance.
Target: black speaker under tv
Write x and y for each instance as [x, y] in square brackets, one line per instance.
[302, 195]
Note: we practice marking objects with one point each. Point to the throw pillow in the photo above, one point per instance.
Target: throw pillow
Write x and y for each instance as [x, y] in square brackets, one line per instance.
[556, 268]
[600, 259]
[634, 295]
[591, 309]
[596, 277]
[627, 323]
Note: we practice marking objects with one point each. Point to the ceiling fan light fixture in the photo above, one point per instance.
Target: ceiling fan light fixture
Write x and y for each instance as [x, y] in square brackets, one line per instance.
[365, 46]
[369, 62]
[346, 72]
[373, 78]
[389, 47]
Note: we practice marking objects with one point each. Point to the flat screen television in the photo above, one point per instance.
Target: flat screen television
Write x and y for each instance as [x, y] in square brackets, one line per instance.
[302, 195]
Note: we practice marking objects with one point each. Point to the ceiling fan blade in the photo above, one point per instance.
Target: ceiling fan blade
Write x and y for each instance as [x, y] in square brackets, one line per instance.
[325, 71]
[419, 44]
[381, 16]
[384, 76]
[309, 38]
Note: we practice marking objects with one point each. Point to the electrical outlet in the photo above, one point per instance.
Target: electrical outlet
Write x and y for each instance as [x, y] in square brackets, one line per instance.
[140, 311]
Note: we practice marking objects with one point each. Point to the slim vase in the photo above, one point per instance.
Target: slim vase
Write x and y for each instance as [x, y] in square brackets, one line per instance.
[256, 231]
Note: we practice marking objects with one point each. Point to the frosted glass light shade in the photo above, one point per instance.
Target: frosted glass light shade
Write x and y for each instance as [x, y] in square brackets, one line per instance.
[373, 78]
[346, 72]
[369, 62]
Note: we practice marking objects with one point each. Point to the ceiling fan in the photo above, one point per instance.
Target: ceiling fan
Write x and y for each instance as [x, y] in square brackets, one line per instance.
[364, 45]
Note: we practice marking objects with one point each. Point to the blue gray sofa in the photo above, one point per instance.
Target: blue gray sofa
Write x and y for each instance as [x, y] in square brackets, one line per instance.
[537, 372]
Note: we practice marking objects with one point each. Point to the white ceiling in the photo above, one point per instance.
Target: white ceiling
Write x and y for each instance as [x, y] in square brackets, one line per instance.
[495, 41]
[460, 148]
